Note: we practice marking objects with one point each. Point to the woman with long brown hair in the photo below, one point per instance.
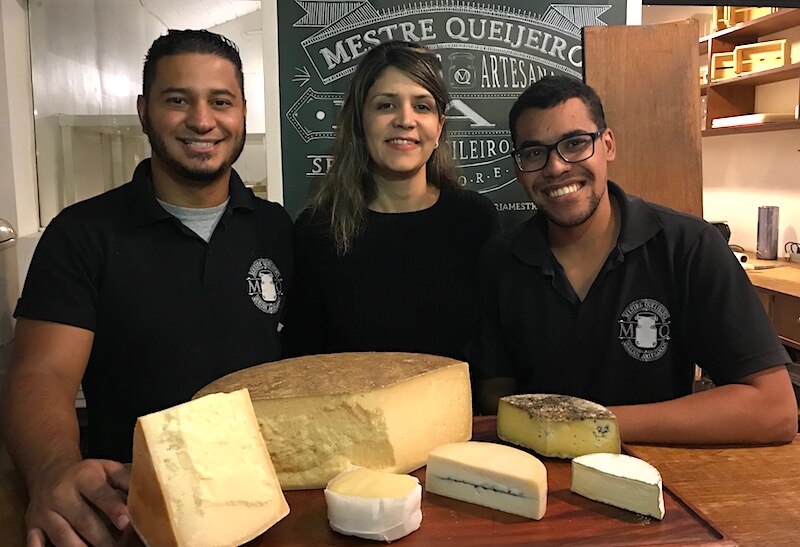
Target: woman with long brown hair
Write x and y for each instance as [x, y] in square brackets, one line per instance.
[385, 251]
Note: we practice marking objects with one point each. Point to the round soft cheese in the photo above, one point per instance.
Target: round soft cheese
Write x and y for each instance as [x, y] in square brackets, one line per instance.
[374, 504]
[619, 480]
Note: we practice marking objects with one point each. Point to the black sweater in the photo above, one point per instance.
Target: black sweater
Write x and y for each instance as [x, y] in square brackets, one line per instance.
[408, 283]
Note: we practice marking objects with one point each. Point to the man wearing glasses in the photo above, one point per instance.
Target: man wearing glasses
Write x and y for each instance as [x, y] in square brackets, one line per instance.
[604, 296]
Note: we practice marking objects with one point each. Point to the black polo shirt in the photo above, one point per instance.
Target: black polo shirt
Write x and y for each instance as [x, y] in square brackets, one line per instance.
[670, 294]
[169, 312]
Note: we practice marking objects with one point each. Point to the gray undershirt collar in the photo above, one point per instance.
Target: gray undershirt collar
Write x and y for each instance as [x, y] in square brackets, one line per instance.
[200, 221]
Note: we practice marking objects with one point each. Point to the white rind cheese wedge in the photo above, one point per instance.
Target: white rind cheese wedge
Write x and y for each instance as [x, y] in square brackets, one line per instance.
[202, 476]
[374, 504]
[488, 474]
[322, 414]
[557, 426]
[619, 480]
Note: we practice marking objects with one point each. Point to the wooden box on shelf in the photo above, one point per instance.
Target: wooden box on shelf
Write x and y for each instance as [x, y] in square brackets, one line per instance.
[730, 95]
[722, 65]
[761, 56]
[730, 16]
[722, 17]
[743, 15]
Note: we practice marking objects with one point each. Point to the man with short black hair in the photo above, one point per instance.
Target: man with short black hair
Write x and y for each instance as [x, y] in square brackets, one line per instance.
[144, 294]
[604, 296]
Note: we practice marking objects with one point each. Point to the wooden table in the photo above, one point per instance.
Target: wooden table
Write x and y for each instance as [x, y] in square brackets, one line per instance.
[750, 494]
[782, 276]
[778, 288]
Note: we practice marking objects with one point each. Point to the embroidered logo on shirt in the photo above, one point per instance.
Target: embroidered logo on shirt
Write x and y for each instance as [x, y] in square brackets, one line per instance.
[644, 330]
[264, 285]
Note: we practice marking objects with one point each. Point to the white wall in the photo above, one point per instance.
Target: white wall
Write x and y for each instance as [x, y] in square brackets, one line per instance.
[17, 165]
[87, 60]
[17, 179]
[245, 31]
[743, 171]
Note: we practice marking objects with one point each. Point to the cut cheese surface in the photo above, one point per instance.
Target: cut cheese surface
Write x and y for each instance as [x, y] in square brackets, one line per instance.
[322, 414]
[374, 504]
[366, 483]
[619, 480]
[557, 426]
[488, 474]
[202, 476]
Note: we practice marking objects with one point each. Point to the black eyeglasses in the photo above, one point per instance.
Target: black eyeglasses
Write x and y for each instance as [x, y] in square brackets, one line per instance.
[571, 149]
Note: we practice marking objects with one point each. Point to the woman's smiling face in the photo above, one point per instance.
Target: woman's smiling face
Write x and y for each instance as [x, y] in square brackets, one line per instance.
[402, 125]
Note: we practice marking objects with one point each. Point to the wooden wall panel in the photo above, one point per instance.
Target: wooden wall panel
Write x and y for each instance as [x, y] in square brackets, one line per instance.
[647, 77]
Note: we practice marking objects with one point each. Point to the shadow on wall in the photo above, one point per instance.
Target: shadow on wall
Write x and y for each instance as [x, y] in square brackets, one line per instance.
[5, 360]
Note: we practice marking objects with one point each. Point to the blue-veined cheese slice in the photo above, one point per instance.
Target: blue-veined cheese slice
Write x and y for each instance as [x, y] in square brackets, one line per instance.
[557, 426]
[619, 480]
[374, 504]
[488, 474]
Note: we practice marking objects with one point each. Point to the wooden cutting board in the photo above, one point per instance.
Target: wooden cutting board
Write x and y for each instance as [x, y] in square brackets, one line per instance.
[569, 519]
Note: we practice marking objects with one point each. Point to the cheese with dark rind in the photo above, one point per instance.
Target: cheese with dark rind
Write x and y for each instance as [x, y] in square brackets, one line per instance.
[322, 414]
[557, 426]
[202, 475]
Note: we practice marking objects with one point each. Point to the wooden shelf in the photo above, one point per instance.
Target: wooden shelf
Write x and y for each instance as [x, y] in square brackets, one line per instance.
[749, 32]
[772, 75]
[760, 128]
[737, 96]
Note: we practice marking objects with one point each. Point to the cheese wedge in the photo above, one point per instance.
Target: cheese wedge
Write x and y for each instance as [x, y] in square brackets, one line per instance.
[619, 480]
[322, 414]
[202, 476]
[488, 474]
[374, 504]
[557, 426]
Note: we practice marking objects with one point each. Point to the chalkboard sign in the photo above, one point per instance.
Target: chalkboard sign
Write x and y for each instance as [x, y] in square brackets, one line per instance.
[490, 53]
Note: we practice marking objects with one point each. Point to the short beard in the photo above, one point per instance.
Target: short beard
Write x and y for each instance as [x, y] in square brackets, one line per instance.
[198, 177]
[571, 222]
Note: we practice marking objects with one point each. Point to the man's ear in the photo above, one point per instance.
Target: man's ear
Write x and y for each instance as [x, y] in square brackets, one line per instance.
[141, 108]
[610, 144]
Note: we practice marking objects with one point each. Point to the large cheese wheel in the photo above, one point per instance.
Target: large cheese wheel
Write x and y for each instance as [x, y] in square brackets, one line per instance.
[322, 414]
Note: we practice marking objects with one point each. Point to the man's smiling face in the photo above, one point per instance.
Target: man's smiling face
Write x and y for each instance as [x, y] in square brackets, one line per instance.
[194, 116]
[567, 193]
